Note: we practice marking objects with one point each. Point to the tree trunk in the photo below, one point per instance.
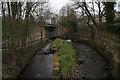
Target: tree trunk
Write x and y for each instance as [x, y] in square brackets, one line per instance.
[13, 29]
[87, 12]
[100, 19]
[3, 10]
[95, 25]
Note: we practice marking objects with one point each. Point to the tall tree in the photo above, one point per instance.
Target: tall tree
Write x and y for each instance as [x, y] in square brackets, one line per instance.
[84, 7]
[109, 11]
[69, 18]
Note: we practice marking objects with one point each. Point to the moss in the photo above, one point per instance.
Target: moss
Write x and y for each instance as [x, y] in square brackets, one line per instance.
[56, 43]
[67, 58]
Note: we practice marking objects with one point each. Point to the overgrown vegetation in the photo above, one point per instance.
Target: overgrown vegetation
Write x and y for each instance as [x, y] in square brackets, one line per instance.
[12, 71]
[56, 43]
[21, 26]
[18, 19]
[113, 29]
[108, 53]
[67, 58]
[109, 11]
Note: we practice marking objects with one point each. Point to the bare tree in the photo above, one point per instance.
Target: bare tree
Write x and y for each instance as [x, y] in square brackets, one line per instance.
[84, 7]
[3, 10]
[43, 14]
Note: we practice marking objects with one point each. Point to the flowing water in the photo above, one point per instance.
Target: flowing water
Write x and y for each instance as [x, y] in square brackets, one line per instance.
[41, 65]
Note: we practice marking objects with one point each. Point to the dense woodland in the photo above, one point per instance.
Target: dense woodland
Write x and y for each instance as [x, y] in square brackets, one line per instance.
[23, 23]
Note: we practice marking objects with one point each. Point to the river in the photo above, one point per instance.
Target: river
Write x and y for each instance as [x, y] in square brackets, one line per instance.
[92, 65]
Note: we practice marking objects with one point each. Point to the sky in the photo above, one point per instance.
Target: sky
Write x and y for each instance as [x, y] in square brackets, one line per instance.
[56, 5]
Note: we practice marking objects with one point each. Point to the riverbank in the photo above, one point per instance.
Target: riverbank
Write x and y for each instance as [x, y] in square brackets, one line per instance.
[40, 65]
[91, 63]
[65, 61]
[78, 60]
[113, 66]
[23, 57]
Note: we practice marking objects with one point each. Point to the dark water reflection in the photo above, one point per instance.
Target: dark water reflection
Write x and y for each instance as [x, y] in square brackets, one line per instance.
[41, 65]
[94, 65]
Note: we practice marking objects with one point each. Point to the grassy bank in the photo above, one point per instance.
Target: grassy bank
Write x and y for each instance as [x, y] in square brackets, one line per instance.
[67, 57]
[56, 43]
